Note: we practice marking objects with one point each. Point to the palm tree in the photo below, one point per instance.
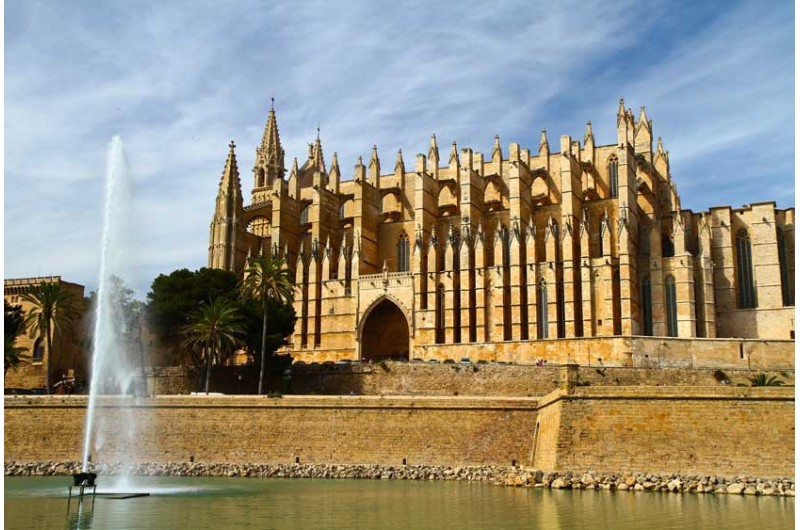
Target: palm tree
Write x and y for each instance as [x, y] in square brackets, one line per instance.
[53, 308]
[14, 354]
[267, 278]
[763, 379]
[214, 328]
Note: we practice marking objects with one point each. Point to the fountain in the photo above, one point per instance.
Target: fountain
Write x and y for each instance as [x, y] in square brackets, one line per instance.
[113, 367]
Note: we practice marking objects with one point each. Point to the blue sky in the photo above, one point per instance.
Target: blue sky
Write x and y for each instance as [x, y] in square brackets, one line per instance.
[178, 80]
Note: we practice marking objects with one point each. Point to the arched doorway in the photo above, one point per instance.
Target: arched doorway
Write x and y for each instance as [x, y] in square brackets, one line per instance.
[384, 334]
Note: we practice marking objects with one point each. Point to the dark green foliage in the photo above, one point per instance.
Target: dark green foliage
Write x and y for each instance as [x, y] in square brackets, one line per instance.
[13, 320]
[281, 319]
[13, 326]
[14, 355]
[266, 279]
[174, 297]
[763, 379]
[130, 310]
[53, 308]
[214, 331]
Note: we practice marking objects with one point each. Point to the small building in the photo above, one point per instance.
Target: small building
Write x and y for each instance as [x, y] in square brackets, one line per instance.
[68, 360]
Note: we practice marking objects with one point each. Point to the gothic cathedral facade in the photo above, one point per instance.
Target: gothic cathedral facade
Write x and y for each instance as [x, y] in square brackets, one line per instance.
[463, 255]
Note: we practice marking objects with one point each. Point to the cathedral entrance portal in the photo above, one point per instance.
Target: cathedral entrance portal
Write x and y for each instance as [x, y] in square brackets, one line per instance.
[384, 334]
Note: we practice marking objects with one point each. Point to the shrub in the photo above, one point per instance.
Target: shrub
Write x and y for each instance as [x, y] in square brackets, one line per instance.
[763, 379]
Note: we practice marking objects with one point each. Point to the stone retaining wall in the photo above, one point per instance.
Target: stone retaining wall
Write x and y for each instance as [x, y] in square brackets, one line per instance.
[421, 379]
[244, 429]
[513, 476]
[725, 431]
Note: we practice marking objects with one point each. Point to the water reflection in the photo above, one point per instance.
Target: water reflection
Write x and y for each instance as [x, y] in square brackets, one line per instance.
[212, 503]
[79, 513]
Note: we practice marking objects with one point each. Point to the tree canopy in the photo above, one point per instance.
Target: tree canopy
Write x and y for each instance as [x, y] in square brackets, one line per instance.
[53, 308]
[13, 320]
[13, 326]
[174, 297]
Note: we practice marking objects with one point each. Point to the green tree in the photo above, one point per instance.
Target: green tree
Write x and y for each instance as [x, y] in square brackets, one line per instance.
[14, 355]
[763, 379]
[174, 297]
[127, 318]
[13, 320]
[214, 329]
[53, 308]
[266, 279]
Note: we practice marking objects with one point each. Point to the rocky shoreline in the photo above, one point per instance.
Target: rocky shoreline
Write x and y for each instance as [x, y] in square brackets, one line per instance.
[500, 475]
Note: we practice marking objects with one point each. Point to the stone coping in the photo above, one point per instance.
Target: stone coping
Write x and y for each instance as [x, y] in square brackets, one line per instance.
[669, 393]
[292, 401]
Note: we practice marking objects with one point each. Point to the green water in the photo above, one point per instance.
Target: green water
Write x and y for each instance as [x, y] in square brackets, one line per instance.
[223, 503]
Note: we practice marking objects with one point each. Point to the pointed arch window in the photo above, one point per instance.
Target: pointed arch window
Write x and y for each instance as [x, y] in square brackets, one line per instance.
[441, 321]
[560, 310]
[403, 252]
[786, 288]
[746, 292]
[613, 177]
[38, 350]
[667, 246]
[647, 307]
[304, 216]
[506, 247]
[541, 304]
[671, 306]
[601, 234]
[261, 180]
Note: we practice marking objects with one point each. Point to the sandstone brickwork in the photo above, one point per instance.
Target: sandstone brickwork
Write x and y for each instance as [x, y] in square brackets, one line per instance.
[244, 429]
[68, 356]
[460, 254]
[729, 431]
[700, 430]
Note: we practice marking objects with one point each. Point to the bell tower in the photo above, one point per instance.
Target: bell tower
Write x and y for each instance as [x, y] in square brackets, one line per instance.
[269, 159]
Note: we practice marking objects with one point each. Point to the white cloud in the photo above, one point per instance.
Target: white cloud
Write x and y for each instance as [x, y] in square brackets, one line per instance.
[179, 80]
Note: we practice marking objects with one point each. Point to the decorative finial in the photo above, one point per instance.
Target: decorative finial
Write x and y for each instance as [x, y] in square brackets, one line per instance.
[231, 145]
[272, 102]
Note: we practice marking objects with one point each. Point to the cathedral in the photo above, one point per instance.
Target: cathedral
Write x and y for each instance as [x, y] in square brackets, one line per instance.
[530, 253]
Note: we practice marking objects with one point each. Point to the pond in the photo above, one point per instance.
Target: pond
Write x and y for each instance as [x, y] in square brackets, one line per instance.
[245, 503]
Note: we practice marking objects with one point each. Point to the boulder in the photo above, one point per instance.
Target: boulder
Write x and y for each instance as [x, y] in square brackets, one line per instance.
[735, 489]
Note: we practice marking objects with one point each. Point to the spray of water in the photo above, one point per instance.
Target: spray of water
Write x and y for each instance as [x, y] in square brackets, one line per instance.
[113, 365]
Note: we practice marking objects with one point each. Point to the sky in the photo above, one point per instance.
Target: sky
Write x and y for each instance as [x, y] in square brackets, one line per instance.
[179, 80]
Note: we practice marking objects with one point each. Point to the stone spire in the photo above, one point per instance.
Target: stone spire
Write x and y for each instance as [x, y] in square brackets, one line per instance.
[433, 157]
[544, 145]
[375, 168]
[497, 151]
[230, 174]
[269, 155]
[227, 216]
[317, 158]
[588, 137]
[335, 176]
[454, 164]
[399, 166]
[621, 115]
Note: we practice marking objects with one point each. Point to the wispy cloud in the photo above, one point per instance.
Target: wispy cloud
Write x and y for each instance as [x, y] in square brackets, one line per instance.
[178, 80]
